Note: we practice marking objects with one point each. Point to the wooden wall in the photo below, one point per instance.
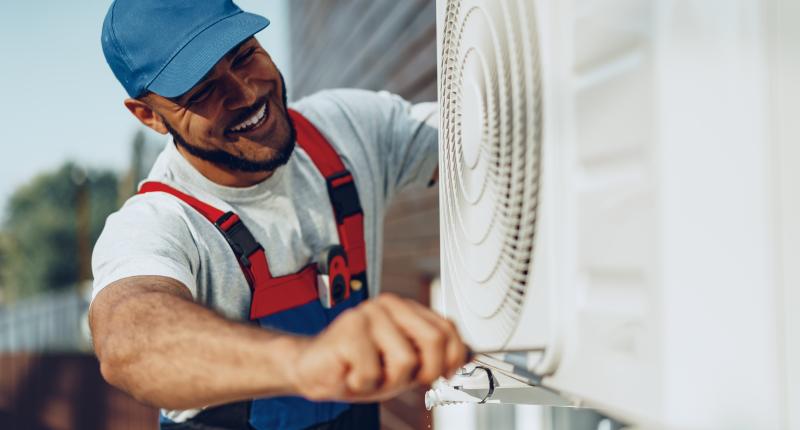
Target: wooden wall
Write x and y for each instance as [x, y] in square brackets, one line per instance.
[379, 45]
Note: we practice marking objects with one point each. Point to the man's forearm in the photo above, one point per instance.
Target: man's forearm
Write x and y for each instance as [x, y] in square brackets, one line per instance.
[170, 352]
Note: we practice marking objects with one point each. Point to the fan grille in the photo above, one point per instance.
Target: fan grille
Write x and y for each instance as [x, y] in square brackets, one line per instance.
[491, 142]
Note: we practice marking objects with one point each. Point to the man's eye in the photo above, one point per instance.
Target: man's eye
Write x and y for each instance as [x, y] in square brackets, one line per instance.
[244, 58]
[200, 95]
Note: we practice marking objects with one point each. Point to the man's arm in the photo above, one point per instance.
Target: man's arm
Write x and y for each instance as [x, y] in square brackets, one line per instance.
[154, 342]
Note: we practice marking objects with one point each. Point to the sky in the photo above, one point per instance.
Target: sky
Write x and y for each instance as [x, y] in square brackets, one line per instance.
[60, 100]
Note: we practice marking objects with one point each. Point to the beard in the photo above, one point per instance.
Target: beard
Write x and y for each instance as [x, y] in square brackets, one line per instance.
[237, 163]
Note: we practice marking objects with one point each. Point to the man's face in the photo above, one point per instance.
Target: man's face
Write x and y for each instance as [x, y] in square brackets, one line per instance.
[236, 116]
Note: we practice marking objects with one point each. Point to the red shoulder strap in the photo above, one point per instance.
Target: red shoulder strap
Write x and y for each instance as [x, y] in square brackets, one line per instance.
[341, 191]
[210, 212]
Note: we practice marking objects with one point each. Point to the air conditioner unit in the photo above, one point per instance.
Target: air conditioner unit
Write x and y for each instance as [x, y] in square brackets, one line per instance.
[609, 223]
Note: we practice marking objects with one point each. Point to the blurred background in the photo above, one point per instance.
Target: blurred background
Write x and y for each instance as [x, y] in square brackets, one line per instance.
[73, 155]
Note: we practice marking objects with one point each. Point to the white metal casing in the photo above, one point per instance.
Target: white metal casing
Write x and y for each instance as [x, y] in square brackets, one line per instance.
[653, 292]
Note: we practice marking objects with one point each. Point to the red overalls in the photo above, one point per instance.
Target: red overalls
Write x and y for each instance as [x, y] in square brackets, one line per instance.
[293, 303]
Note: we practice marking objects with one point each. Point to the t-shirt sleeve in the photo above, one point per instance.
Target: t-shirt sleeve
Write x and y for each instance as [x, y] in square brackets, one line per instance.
[409, 149]
[397, 137]
[145, 237]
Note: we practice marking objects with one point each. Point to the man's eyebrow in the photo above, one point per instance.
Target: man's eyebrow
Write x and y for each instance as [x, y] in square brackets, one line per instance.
[202, 86]
[185, 97]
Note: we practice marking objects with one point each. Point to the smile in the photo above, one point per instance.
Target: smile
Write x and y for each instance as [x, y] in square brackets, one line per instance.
[251, 123]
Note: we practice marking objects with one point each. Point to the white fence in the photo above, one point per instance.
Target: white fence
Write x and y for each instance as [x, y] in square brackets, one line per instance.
[53, 322]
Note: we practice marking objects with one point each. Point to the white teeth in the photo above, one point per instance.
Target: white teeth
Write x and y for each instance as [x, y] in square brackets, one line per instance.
[253, 120]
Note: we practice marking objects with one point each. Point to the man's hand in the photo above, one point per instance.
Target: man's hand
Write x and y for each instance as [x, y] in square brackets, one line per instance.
[375, 351]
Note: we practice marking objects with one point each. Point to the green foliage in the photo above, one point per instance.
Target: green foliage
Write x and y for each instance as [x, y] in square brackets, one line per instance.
[39, 245]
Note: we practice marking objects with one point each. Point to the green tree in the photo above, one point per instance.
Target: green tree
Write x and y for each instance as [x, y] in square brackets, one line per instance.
[50, 227]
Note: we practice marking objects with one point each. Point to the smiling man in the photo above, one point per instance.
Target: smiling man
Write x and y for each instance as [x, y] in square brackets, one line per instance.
[239, 288]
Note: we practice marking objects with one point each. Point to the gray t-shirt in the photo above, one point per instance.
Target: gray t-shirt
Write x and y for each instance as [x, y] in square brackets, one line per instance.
[387, 144]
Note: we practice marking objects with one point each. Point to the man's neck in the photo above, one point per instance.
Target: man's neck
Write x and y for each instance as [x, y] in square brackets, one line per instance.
[223, 176]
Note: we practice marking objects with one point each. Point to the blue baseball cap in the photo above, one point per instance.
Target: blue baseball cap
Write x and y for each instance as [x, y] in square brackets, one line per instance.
[168, 46]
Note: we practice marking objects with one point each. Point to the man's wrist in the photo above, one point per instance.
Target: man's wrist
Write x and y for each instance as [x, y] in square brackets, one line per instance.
[288, 349]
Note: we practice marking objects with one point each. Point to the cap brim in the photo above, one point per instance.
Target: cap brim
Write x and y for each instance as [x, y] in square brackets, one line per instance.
[200, 55]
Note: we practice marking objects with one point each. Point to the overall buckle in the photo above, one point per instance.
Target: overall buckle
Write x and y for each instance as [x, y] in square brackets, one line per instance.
[343, 195]
[239, 238]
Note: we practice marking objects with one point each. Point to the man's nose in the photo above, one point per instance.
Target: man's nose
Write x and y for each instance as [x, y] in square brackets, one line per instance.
[240, 93]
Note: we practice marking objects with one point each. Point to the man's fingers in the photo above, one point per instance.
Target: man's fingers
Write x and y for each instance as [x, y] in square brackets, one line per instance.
[430, 339]
[457, 351]
[379, 349]
[398, 354]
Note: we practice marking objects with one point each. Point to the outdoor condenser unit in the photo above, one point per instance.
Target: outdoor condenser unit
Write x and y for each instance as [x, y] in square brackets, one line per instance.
[609, 219]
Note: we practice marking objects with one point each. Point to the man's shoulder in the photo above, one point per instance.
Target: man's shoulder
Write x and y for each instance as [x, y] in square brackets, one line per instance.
[350, 118]
[154, 210]
[345, 104]
[337, 96]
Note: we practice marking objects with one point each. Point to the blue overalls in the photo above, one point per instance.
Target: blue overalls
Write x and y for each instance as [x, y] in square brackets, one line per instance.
[302, 303]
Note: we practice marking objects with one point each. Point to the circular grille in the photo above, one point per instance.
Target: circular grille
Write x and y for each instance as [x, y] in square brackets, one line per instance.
[489, 89]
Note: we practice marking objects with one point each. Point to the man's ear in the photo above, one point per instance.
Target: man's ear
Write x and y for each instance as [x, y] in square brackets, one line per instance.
[144, 113]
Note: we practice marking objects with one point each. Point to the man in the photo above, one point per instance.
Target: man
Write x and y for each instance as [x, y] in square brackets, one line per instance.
[241, 269]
